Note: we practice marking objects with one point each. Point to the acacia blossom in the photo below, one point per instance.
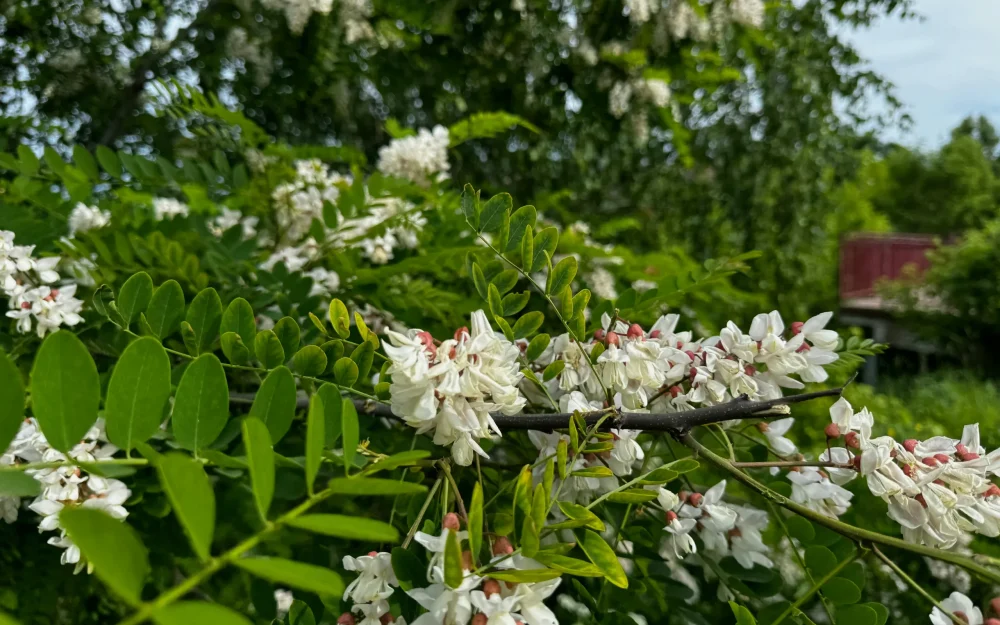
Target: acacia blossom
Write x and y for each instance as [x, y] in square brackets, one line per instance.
[421, 158]
[30, 284]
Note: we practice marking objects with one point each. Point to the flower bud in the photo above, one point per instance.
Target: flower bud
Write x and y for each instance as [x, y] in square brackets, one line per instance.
[491, 587]
[467, 560]
[750, 370]
[692, 373]
[386, 618]
[856, 461]
[910, 444]
[459, 332]
[920, 498]
[995, 606]
[735, 532]
[943, 459]
[372, 554]
[695, 499]
[671, 516]
[675, 391]
[612, 339]
[683, 495]
[962, 616]
[993, 491]
[346, 619]
[479, 619]
[907, 470]
[451, 521]
[851, 440]
[992, 621]
[599, 335]
[961, 449]
[655, 334]
[635, 331]
[797, 327]
[931, 462]
[502, 547]
[832, 431]
[763, 426]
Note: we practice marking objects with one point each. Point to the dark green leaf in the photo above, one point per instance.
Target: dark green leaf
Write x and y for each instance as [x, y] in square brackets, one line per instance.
[345, 372]
[135, 296]
[311, 360]
[351, 528]
[514, 303]
[842, 591]
[28, 161]
[205, 317]
[11, 400]
[363, 355]
[198, 613]
[519, 221]
[239, 318]
[83, 160]
[65, 389]
[820, 560]
[137, 393]
[315, 438]
[166, 309]
[537, 346]
[274, 403]
[800, 529]
[470, 206]
[505, 280]
[555, 368]
[527, 249]
[494, 300]
[374, 486]
[309, 577]
[15, 483]
[287, 331]
[545, 242]
[109, 161]
[201, 406]
[562, 276]
[881, 612]
[528, 324]
[333, 409]
[494, 211]
[191, 497]
[603, 556]
[234, 349]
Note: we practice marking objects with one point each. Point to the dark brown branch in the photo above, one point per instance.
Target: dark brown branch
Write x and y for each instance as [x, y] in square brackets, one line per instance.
[674, 422]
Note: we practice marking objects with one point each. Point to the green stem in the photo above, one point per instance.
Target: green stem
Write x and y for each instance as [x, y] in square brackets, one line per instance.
[454, 488]
[147, 610]
[855, 533]
[798, 558]
[815, 588]
[420, 515]
[915, 586]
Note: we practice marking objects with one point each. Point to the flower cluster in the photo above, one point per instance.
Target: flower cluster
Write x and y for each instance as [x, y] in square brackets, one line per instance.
[477, 600]
[230, 218]
[421, 158]
[725, 529]
[168, 208]
[354, 16]
[64, 486]
[964, 610]
[29, 284]
[83, 218]
[450, 387]
[300, 201]
[937, 490]
[298, 12]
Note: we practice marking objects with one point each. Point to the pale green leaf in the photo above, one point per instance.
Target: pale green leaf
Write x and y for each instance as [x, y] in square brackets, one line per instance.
[137, 393]
[65, 389]
[191, 497]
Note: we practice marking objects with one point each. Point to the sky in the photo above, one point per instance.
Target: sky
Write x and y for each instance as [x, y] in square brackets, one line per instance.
[945, 66]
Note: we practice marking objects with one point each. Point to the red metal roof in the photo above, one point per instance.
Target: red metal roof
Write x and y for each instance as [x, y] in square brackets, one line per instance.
[866, 258]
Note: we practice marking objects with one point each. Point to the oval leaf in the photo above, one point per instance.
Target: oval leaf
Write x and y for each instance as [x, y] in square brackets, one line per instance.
[603, 556]
[260, 458]
[562, 275]
[135, 296]
[268, 349]
[18, 484]
[120, 559]
[205, 317]
[137, 393]
[340, 319]
[274, 403]
[349, 425]
[288, 332]
[201, 406]
[198, 613]
[11, 400]
[453, 560]
[239, 318]
[311, 360]
[309, 577]
[65, 389]
[352, 528]
[374, 486]
[476, 521]
[190, 493]
[345, 372]
[166, 309]
[526, 576]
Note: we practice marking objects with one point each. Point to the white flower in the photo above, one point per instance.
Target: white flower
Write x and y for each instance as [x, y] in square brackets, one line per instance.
[774, 432]
[168, 208]
[619, 100]
[959, 605]
[843, 415]
[283, 599]
[747, 546]
[417, 158]
[531, 602]
[748, 12]
[497, 609]
[626, 452]
[83, 218]
[813, 489]
[375, 579]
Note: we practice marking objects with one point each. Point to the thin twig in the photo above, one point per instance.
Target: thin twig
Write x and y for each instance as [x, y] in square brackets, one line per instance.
[792, 463]
[915, 586]
[420, 515]
[458, 495]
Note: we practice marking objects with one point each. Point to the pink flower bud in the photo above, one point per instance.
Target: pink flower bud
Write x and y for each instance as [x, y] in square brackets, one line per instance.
[931, 462]
[451, 521]
[372, 554]
[671, 516]
[502, 547]
[695, 499]
[851, 440]
[459, 332]
[612, 339]
[920, 498]
[961, 616]
[943, 459]
[907, 470]
[797, 327]
[750, 370]
[386, 618]
[803, 348]
[856, 461]
[995, 606]
[735, 533]
[683, 495]
[992, 621]
[693, 373]
[479, 619]
[910, 444]
[961, 449]
[346, 619]
[832, 431]
[969, 456]
[491, 587]
[599, 334]
[655, 334]
[635, 331]
[675, 391]
[993, 491]
[691, 355]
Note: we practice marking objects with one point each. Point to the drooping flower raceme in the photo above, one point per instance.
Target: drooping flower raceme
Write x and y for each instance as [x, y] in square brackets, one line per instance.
[421, 158]
[83, 218]
[32, 287]
[449, 388]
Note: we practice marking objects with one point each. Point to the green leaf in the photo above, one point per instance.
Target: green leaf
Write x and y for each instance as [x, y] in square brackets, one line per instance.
[402, 459]
[743, 615]
[311, 360]
[186, 485]
[349, 527]
[580, 301]
[854, 572]
[28, 161]
[201, 406]
[198, 613]
[662, 475]
[288, 332]
[268, 349]
[333, 408]
[317, 579]
[494, 301]
[514, 303]
[362, 328]
[135, 296]
[166, 308]
[54, 161]
[274, 403]
[820, 560]
[566, 564]
[363, 355]
[522, 496]
[561, 458]
[528, 324]
[137, 393]
[65, 389]
[632, 496]
[470, 206]
[18, 484]
[315, 437]
[205, 317]
[83, 160]
[597, 471]
[563, 301]
[529, 538]
[476, 521]
[115, 550]
[842, 591]
[479, 281]
[526, 576]
[545, 242]
[555, 368]
[800, 529]
[684, 465]
[11, 400]
[494, 211]
[539, 506]
[862, 614]
[603, 556]
[349, 424]
[409, 569]
[520, 220]
[109, 161]
[340, 319]
[579, 516]
[561, 276]
[881, 612]
[345, 372]
[373, 486]
[505, 280]
[260, 458]
[234, 349]
[453, 560]
[239, 318]
[536, 346]
[527, 249]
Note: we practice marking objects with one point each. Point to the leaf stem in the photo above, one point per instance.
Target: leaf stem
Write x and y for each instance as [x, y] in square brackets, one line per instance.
[815, 588]
[420, 515]
[915, 586]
